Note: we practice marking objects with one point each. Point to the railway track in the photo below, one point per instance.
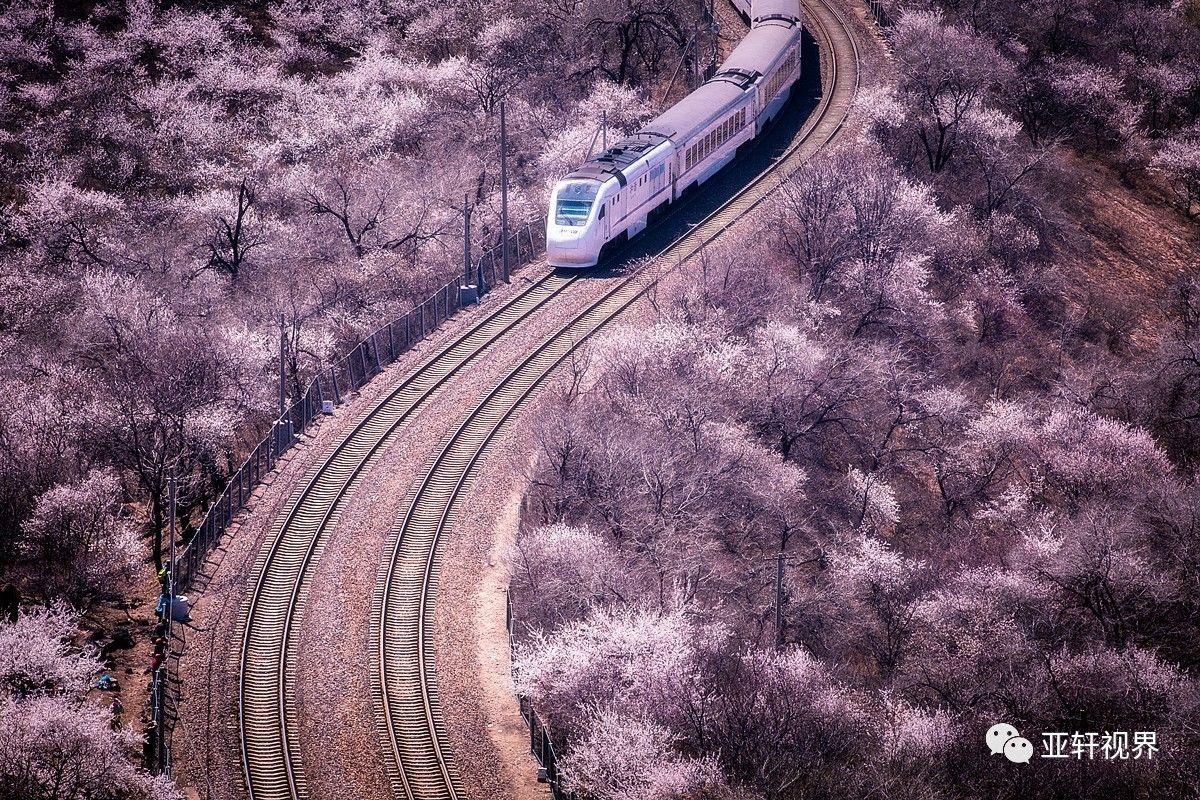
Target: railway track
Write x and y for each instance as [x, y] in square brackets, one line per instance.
[405, 682]
[267, 714]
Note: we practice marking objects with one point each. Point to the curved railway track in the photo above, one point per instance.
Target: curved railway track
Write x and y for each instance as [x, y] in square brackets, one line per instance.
[405, 687]
[405, 691]
[267, 718]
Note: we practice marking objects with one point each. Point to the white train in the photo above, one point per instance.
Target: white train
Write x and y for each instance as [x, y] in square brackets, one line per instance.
[616, 194]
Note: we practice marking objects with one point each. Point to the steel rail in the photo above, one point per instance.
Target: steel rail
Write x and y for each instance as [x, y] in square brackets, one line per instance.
[408, 710]
[266, 709]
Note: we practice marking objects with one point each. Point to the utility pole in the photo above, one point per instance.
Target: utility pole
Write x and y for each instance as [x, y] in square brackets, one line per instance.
[160, 726]
[779, 600]
[466, 239]
[172, 489]
[282, 370]
[279, 427]
[504, 190]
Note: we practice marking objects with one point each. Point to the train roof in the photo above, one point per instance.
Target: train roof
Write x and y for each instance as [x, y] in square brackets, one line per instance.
[783, 13]
[687, 117]
[613, 162]
[758, 50]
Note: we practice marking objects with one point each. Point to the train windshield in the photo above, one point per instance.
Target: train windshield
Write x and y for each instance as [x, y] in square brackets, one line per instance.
[575, 200]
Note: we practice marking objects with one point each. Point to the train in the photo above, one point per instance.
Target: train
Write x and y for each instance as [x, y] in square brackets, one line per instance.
[615, 195]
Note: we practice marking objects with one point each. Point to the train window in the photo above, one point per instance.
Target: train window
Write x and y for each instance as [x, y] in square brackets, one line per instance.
[575, 200]
[601, 214]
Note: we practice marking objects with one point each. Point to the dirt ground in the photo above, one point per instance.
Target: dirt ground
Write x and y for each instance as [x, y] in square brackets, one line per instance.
[1136, 245]
[120, 632]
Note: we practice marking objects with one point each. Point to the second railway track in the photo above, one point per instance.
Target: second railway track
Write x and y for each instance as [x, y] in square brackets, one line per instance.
[405, 690]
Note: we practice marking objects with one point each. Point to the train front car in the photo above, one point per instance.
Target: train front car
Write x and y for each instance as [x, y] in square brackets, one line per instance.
[573, 235]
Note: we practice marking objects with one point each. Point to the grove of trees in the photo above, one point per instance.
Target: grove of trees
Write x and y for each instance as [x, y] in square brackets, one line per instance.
[176, 176]
[978, 479]
[56, 744]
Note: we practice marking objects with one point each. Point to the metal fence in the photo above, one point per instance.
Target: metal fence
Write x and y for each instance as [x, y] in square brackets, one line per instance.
[332, 384]
[540, 743]
[335, 382]
[877, 9]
